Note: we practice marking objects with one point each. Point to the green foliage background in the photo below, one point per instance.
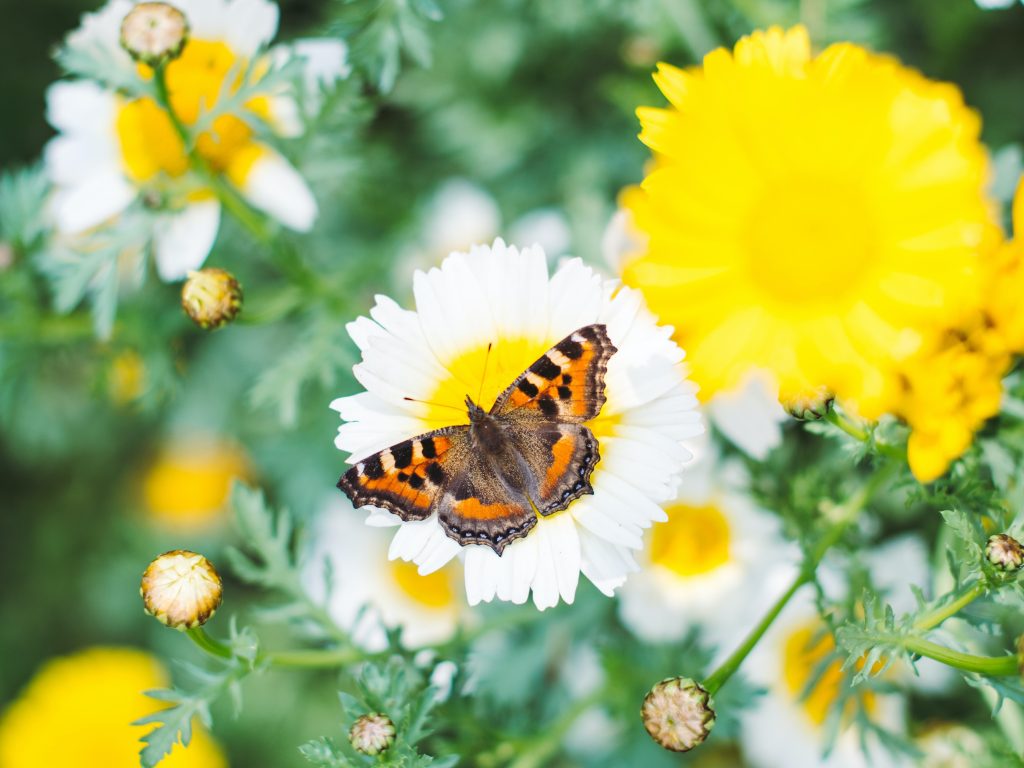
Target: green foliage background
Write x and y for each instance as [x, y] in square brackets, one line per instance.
[533, 101]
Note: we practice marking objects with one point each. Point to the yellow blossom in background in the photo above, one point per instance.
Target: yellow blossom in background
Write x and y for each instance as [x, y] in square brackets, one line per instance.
[188, 484]
[817, 217]
[126, 380]
[1005, 283]
[77, 711]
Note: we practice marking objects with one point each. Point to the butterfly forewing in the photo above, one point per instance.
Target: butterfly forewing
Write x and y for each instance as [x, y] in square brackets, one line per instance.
[566, 383]
[409, 477]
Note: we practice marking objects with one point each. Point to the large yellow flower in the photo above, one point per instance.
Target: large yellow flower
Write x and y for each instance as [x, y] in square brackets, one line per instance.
[77, 711]
[818, 217]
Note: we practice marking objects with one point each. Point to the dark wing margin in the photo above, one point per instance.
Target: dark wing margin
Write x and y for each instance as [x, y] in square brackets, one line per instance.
[566, 383]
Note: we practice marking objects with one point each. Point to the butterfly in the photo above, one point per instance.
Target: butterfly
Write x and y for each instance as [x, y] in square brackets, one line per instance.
[530, 453]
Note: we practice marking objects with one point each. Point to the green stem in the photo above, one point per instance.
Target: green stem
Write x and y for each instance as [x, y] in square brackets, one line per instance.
[938, 615]
[208, 644]
[993, 666]
[837, 419]
[227, 195]
[847, 514]
[315, 658]
[719, 677]
[539, 750]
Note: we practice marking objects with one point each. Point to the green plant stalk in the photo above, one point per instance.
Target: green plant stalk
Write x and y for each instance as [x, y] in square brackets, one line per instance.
[309, 658]
[199, 636]
[992, 666]
[833, 417]
[938, 615]
[230, 199]
[848, 513]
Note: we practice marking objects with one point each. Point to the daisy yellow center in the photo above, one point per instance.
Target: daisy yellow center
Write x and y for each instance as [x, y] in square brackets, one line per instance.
[149, 143]
[435, 590]
[808, 243]
[803, 652]
[483, 373]
[694, 541]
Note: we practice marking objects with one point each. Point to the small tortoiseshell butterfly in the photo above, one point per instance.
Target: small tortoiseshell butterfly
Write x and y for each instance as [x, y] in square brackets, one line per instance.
[488, 480]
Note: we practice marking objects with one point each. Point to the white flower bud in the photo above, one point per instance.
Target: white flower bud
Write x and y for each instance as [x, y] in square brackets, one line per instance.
[372, 734]
[677, 714]
[181, 589]
[154, 32]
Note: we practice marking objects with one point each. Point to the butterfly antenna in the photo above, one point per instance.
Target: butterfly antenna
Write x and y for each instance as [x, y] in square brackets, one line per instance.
[483, 376]
[436, 405]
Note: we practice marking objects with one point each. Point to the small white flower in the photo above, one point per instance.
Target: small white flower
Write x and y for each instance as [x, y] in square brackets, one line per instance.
[505, 298]
[369, 593]
[114, 152]
[711, 565]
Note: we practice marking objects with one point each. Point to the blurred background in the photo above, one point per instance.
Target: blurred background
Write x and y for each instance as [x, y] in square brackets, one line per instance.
[522, 126]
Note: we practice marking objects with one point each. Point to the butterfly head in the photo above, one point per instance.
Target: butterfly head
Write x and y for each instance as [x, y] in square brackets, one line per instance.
[476, 413]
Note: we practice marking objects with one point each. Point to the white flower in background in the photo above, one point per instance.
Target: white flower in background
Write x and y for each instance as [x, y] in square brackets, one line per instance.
[370, 593]
[786, 729]
[749, 415]
[714, 564]
[989, 5]
[113, 149]
[500, 299]
[544, 227]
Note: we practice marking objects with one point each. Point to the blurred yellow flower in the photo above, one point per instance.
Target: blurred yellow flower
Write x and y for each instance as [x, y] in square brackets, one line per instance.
[1005, 283]
[77, 711]
[818, 217]
[126, 380]
[188, 484]
[949, 393]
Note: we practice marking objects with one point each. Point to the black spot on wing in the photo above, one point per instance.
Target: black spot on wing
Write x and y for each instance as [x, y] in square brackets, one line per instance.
[416, 482]
[571, 349]
[566, 378]
[564, 393]
[546, 368]
[547, 405]
[427, 448]
[402, 454]
[435, 474]
[371, 468]
[527, 388]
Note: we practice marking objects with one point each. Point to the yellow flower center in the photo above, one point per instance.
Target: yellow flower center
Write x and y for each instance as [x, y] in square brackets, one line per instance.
[803, 652]
[434, 590]
[808, 243]
[694, 541]
[149, 143]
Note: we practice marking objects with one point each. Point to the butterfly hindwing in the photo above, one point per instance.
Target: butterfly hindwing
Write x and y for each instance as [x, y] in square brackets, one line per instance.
[409, 477]
[561, 458]
[566, 383]
[479, 508]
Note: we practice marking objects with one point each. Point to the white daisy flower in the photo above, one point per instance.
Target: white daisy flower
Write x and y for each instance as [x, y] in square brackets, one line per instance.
[498, 308]
[711, 565]
[785, 728]
[112, 149]
[748, 415]
[369, 593]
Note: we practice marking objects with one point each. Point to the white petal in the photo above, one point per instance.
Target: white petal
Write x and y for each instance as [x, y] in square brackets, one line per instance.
[750, 416]
[565, 546]
[182, 241]
[523, 564]
[439, 550]
[253, 25]
[100, 32]
[545, 578]
[411, 538]
[92, 202]
[273, 185]
[81, 107]
[603, 563]
[574, 298]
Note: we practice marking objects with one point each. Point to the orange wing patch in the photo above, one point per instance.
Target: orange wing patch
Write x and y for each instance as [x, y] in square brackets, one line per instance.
[567, 477]
[567, 382]
[405, 479]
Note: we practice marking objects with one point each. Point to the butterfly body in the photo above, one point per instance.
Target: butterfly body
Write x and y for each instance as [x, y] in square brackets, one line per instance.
[489, 479]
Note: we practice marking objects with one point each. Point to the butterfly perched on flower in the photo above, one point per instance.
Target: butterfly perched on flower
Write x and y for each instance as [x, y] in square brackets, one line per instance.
[530, 453]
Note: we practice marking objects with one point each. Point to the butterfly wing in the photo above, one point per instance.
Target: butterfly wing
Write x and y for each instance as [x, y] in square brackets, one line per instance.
[479, 507]
[560, 458]
[410, 476]
[566, 383]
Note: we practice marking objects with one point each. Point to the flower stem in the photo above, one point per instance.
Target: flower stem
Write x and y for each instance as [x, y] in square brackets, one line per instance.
[938, 615]
[213, 647]
[993, 666]
[863, 435]
[847, 513]
[719, 677]
[227, 195]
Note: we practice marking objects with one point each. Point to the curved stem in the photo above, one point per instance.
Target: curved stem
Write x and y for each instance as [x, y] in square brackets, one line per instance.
[993, 666]
[836, 419]
[213, 647]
